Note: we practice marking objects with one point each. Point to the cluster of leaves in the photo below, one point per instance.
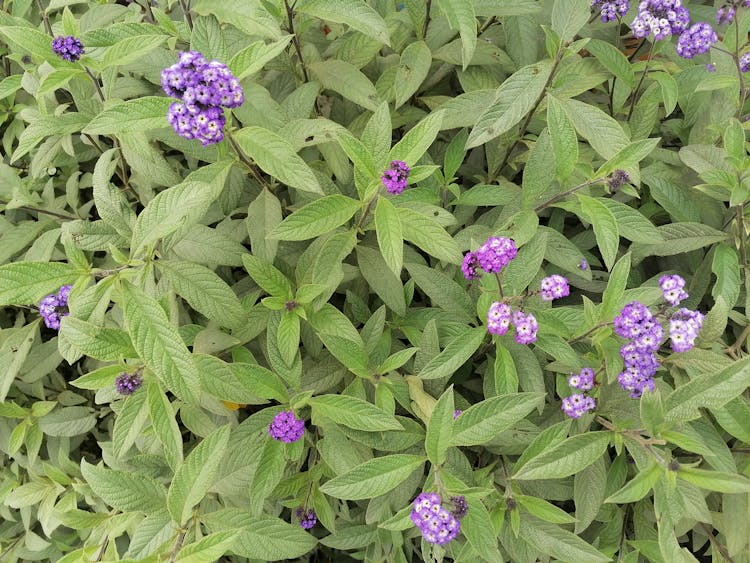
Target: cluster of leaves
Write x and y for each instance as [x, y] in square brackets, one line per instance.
[271, 272]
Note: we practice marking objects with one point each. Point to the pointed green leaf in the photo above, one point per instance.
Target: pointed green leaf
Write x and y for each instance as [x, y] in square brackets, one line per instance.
[440, 428]
[316, 218]
[373, 478]
[354, 413]
[484, 420]
[124, 491]
[163, 420]
[566, 458]
[357, 14]
[455, 354]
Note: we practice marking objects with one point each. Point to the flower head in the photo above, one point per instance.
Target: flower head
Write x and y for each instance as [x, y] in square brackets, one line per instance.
[583, 380]
[68, 47]
[460, 506]
[629, 323]
[725, 15]
[395, 178]
[285, 427]
[577, 405]
[673, 289]
[470, 266]
[696, 40]
[457, 413]
[660, 17]
[618, 179]
[498, 318]
[745, 62]
[496, 253]
[307, 518]
[436, 523]
[526, 327]
[128, 383]
[611, 9]
[55, 306]
[684, 326]
[584, 264]
[554, 287]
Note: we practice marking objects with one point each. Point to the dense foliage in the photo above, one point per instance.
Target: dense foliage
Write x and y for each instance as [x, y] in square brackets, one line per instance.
[372, 280]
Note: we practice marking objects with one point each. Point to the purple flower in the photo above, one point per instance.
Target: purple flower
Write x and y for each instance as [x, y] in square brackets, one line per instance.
[204, 88]
[611, 9]
[460, 506]
[618, 179]
[684, 326]
[584, 265]
[660, 17]
[470, 266]
[577, 405]
[128, 383]
[554, 287]
[67, 47]
[696, 40]
[498, 318]
[583, 380]
[745, 62]
[673, 289]
[395, 178]
[635, 381]
[436, 523]
[307, 518]
[55, 306]
[526, 327]
[496, 253]
[725, 15]
[285, 427]
[710, 67]
[628, 323]
[457, 413]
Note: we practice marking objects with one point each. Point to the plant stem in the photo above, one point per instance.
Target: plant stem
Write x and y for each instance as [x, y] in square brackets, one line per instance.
[95, 80]
[365, 213]
[45, 17]
[487, 24]
[529, 116]
[188, 17]
[640, 82]
[178, 545]
[499, 278]
[427, 9]
[63, 216]
[295, 39]
[246, 161]
[740, 218]
[566, 193]
[721, 548]
[589, 332]
[736, 57]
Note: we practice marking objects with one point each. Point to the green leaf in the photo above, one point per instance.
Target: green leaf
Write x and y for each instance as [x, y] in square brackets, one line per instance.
[261, 537]
[208, 548]
[287, 337]
[566, 458]
[164, 423]
[484, 420]
[615, 291]
[558, 543]
[726, 268]
[544, 510]
[111, 205]
[55, 79]
[196, 475]
[263, 215]
[271, 280]
[428, 235]
[563, 137]
[373, 478]
[22, 283]
[415, 143]
[354, 413]
[413, 68]
[316, 218]
[159, 344]
[443, 292]
[131, 49]
[253, 58]
[455, 354]
[569, 16]
[276, 156]
[30, 40]
[678, 238]
[357, 14]
[106, 344]
[267, 473]
[141, 114]
[205, 291]
[129, 423]
[390, 238]
[440, 428]
[638, 487]
[631, 223]
[718, 481]
[513, 100]
[124, 491]
[629, 156]
[383, 282]
[612, 59]
[346, 79]
[605, 227]
[589, 490]
[14, 350]
[10, 85]
[460, 15]
[709, 390]
[603, 132]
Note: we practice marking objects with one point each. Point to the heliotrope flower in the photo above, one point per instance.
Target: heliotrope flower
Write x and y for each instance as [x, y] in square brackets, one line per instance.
[128, 383]
[618, 179]
[577, 405]
[498, 318]
[672, 287]
[457, 413]
[285, 427]
[725, 14]
[628, 323]
[611, 9]
[696, 40]
[68, 47]
[437, 524]
[204, 88]
[583, 380]
[660, 17]
[460, 506]
[470, 266]
[55, 306]
[684, 326]
[496, 253]
[307, 518]
[526, 327]
[396, 177]
[745, 62]
[554, 287]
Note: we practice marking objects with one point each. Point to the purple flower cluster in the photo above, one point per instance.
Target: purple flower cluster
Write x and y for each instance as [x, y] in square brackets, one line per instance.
[285, 427]
[395, 178]
[128, 383]
[457, 413]
[436, 523]
[684, 326]
[68, 47]
[55, 306]
[725, 14]
[745, 62]
[500, 316]
[611, 9]
[696, 40]
[645, 333]
[617, 180]
[204, 88]
[307, 518]
[554, 287]
[673, 289]
[577, 405]
[492, 257]
[660, 17]
[460, 506]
